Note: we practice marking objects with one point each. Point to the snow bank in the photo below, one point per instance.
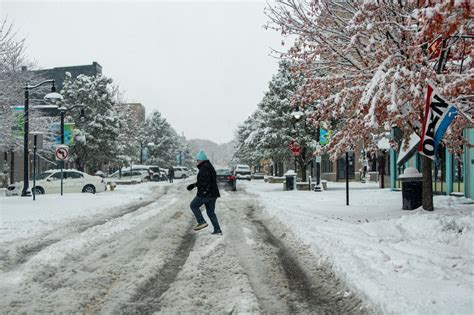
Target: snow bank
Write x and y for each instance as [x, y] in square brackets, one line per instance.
[401, 261]
[22, 217]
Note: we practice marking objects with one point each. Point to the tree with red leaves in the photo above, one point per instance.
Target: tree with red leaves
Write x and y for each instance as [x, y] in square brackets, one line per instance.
[366, 65]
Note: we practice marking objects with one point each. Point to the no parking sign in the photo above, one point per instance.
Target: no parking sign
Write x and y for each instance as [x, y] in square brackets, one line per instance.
[62, 152]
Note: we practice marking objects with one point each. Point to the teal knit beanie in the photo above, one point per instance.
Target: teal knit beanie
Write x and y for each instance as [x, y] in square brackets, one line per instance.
[201, 156]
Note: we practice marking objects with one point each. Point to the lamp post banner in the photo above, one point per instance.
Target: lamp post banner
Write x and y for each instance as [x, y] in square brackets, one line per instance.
[68, 133]
[19, 121]
[324, 136]
[438, 116]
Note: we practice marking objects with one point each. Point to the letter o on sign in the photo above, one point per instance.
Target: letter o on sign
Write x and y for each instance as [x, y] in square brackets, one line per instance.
[428, 147]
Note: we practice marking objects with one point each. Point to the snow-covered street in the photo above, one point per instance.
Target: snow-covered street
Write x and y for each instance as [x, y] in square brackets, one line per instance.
[237, 157]
[142, 257]
[133, 250]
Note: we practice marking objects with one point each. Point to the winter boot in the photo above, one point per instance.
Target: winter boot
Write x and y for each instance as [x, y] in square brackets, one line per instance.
[200, 226]
[217, 232]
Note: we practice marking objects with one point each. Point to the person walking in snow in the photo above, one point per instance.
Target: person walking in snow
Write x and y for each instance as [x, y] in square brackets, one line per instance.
[171, 174]
[207, 193]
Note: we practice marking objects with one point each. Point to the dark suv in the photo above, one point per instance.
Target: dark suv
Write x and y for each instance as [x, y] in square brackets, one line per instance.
[224, 177]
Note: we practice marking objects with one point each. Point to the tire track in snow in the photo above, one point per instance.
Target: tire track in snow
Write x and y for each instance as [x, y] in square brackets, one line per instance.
[105, 269]
[258, 261]
[147, 297]
[211, 281]
[17, 253]
[310, 287]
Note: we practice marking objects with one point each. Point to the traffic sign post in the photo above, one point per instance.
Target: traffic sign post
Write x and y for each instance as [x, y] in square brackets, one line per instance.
[295, 149]
[62, 153]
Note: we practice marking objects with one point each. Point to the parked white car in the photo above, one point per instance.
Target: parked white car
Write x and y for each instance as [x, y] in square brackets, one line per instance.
[49, 182]
[181, 172]
[153, 171]
[242, 171]
[127, 177]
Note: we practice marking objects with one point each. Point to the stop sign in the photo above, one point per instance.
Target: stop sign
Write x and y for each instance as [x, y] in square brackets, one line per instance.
[295, 151]
[294, 148]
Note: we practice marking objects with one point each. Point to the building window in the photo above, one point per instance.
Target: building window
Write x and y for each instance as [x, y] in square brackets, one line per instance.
[326, 164]
[458, 175]
[341, 167]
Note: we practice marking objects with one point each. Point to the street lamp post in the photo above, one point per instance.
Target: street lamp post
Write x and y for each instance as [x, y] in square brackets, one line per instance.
[141, 153]
[347, 178]
[297, 114]
[63, 111]
[35, 142]
[52, 96]
[317, 187]
[349, 161]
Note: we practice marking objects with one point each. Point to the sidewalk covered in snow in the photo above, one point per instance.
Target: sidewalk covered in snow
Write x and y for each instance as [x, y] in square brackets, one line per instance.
[402, 261]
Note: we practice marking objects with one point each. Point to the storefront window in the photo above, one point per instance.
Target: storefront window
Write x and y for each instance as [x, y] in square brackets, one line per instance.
[326, 164]
[438, 169]
[458, 175]
[341, 167]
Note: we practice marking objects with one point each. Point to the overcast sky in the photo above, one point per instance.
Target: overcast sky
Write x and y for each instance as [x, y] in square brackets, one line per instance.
[203, 64]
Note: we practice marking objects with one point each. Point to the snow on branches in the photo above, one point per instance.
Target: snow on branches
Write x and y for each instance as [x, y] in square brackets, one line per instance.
[102, 126]
[267, 133]
[366, 63]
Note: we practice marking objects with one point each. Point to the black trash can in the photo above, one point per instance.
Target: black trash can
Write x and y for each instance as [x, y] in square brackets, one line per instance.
[412, 185]
[290, 181]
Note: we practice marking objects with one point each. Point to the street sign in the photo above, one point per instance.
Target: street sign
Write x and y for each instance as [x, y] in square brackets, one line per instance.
[39, 141]
[62, 152]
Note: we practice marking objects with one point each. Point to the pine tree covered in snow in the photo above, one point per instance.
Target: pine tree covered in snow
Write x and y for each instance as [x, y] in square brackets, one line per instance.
[131, 137]
[366, 64]
[187, 156]
[97, 138]
[165, 140]
[267, 133]
[246, 142]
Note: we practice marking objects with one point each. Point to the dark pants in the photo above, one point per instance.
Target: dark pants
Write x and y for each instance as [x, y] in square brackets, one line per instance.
[210, 204]
[171, 178]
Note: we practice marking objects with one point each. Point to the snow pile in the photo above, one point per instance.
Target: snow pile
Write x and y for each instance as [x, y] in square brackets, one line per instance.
[402, 261]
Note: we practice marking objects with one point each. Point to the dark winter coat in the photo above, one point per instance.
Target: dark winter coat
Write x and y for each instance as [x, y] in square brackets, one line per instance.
[206, 181]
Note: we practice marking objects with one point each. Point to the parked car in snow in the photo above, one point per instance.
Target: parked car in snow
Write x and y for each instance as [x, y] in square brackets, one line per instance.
[162, 175]
[153, 171]
[128, 177]
[242, 171]
[49, 182]
[226, 179]
[181, 172]
[258, 176]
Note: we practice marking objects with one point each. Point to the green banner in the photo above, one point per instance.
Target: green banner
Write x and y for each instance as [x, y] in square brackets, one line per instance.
[19, 121]
[68, 133]
[324, 136]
